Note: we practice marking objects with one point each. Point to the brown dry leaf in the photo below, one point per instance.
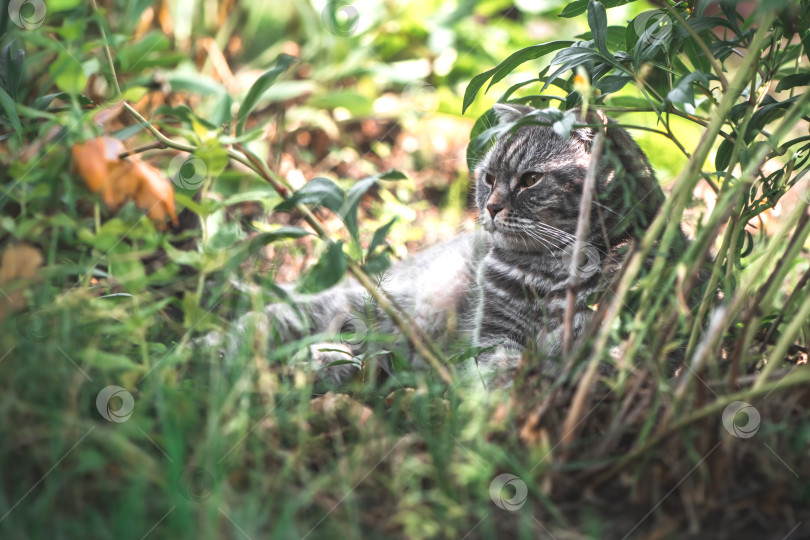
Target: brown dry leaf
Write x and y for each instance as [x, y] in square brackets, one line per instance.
[154, 194]
[165, 19]
[222, 70]
[18, 261]
[121, 184]
[121, 179]
[91, 159]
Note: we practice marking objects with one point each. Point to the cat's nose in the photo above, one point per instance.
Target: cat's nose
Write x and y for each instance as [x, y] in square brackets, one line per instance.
[493, 209]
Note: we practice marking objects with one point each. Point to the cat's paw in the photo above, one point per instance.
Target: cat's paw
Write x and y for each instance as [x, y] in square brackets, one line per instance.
[332, 364]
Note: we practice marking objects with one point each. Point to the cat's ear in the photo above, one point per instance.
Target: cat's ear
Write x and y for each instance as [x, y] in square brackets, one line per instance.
[585, 135]
[508, 112]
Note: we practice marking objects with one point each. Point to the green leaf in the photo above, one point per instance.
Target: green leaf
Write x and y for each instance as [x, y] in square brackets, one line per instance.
[126, 267]
[328, 271]
[194, 83]
[597, 21]
[612, 83]
[615, 36]
[630, 102]
[7, 105]
[477, 147]
[193, 313]
[226, 237]
[186, 258]
[379, 236]
[508, 66]
[798, 79]
[770, 111]
[184, 114]
[392, 174]
[320, 191]
[723, 156]
[214, 156]
[259, 87]
[576, 55]
[62, 5]
[578, 7]
[683, 92]
[349, 211]
[105, 360]
[152, 44]
[12, 59]
[68, 74]
[42, 102]
[696, 56]
[278, 234]
[357, 104]
[377, 264]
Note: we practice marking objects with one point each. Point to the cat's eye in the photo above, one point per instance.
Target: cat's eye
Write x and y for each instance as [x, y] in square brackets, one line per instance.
[530, 178]
[489, 179]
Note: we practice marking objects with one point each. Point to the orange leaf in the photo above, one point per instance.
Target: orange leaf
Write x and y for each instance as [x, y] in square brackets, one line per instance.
[18, 262]
[119, 180]
[91, 160]
[121, 184]
[155, 194]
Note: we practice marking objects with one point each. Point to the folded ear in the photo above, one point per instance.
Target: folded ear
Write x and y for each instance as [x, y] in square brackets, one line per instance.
[508, 112]
[585, 135]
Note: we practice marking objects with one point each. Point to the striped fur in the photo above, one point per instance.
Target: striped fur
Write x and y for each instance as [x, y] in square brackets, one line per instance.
[524, 277]
[505, 288]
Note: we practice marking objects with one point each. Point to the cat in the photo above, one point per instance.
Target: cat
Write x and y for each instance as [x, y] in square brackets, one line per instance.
[503, 288]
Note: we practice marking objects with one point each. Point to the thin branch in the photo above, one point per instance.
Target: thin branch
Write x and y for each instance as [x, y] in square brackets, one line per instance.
[583, 226]
[108, 53]
[157, 145]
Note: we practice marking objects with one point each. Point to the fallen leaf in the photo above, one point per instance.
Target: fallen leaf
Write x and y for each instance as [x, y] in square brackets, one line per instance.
[120, 184]
[120, 180]
[19, 261]
[155, 193]
[91, 159]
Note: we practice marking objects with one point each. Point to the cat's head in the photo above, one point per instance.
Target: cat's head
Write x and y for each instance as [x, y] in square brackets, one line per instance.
[529, 184]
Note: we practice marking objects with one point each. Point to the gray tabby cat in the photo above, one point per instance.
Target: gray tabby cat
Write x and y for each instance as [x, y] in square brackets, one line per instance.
[504, 288]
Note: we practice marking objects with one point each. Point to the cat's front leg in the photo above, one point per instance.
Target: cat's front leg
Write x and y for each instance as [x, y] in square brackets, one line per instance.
[497, 367]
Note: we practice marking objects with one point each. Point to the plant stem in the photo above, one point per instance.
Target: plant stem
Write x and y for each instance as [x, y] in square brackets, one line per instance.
[108, 54]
